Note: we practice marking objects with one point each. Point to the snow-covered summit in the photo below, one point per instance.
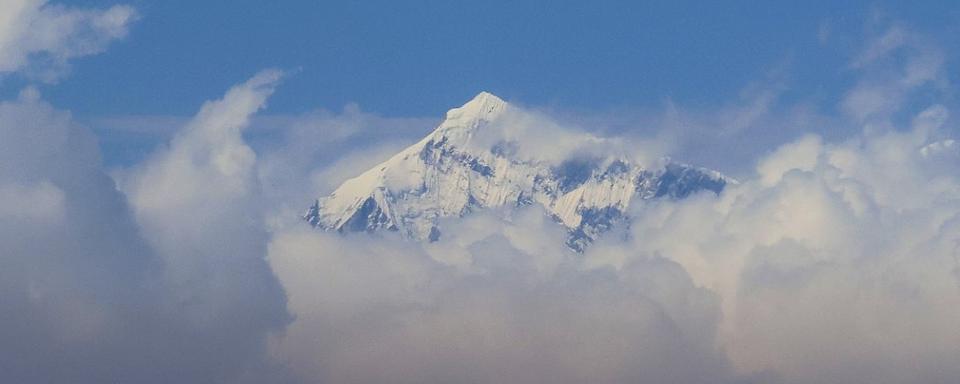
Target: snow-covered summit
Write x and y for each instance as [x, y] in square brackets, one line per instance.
[443, 175]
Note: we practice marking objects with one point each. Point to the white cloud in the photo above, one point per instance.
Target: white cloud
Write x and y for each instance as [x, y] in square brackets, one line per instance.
[42, 201]
[800, 155]
[301, 156]
[75, 276]
[95, 290]
[490, 302]
[541, 138]
[198, 203]
[892, 67]
[894, 38]
[836, 263]
[39, 38]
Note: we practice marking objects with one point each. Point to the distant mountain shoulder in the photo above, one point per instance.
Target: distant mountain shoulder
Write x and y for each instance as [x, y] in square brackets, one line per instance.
[452, 172]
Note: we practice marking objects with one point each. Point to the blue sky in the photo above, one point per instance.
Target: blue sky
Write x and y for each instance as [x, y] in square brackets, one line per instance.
[420, 58]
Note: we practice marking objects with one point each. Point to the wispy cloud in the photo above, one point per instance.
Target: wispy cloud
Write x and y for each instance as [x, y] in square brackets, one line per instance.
[40, 38]
[894, 66]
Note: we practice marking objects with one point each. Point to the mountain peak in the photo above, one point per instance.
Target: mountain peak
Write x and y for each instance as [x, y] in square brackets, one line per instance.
[483, 106]
[447, 174]
[462, 122]
[485, 97]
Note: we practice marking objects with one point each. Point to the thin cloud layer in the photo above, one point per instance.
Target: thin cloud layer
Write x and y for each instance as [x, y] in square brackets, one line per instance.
[896, 65]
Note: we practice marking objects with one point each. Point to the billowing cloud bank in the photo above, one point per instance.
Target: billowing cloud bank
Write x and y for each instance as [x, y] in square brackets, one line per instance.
[834, 263]
[165, 284]
[76, 276]
[833, 260]
[837, 263]
[491, 303]
[147, 285]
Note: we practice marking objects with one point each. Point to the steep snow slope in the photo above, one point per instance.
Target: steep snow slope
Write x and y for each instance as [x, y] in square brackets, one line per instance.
[445, 174]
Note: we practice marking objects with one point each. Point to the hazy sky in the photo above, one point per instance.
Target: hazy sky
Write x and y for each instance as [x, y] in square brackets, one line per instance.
[155, 158]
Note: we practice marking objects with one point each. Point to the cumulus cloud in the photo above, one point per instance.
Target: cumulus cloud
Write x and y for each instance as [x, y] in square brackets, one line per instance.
[199, 205]
[39, 38]
[836, 263]
[490, 302]
[103, 287]
[76, 276]
[42, 201]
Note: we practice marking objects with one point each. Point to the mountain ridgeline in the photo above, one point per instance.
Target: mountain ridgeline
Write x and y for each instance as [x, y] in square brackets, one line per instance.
[446, 174]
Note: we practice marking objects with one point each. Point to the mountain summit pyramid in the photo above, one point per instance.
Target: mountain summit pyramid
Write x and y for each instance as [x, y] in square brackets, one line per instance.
[450, 173]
